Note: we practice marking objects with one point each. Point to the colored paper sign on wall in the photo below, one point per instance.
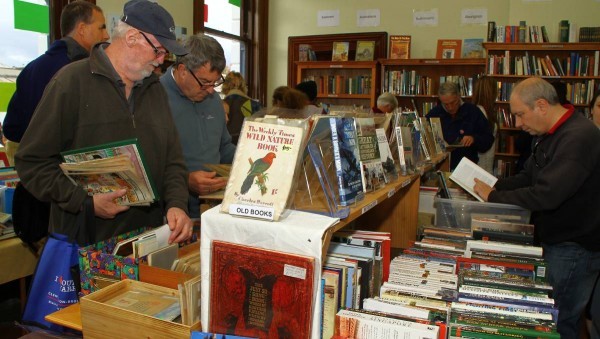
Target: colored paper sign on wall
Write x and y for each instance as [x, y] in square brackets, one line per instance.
[6, 92]
[31, 17]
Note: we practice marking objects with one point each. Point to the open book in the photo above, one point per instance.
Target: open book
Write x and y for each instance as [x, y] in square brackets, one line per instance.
[465, 173]
[110, 167]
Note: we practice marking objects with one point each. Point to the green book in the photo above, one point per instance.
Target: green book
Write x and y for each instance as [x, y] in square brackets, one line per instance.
[107, 167]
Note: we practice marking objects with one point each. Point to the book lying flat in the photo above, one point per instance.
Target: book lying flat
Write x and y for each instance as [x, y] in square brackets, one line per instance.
[110, 167]
[465, 173]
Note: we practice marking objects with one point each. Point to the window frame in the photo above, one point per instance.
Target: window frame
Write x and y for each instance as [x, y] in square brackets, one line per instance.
[253, 34]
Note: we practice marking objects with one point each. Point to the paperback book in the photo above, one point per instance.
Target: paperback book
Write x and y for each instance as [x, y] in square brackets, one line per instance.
[365, 50]
[340, 51]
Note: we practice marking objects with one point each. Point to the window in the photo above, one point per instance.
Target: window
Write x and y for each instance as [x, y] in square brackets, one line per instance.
[240, 26]
[22, 44]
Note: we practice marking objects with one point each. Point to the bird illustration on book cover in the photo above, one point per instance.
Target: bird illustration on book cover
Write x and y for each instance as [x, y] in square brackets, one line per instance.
[257, 170]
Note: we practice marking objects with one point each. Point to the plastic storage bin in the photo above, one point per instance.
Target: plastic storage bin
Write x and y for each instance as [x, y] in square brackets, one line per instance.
[457, 213]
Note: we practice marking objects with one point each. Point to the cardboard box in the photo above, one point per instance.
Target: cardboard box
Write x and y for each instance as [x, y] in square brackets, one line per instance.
[100, 320]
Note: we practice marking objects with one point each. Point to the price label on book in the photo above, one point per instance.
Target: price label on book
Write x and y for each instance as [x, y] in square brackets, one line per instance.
[252, 211]
[294, 271]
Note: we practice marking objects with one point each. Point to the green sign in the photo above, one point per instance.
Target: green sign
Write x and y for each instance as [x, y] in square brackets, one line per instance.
[237, 3]
[6, 92]
[32, 17]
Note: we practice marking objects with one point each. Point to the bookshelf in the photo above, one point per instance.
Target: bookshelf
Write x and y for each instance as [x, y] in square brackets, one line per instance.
[342, 83]
[418, 80]
[575, 64]
[322, 46]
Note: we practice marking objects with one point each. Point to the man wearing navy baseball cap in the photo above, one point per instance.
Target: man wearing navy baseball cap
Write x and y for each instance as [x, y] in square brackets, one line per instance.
[151, 18]
[111, 96]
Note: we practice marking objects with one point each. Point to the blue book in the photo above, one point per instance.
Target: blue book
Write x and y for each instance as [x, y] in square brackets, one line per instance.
[346, 158]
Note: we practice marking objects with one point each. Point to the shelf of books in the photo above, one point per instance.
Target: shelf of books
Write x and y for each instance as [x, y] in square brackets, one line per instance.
[575, 64]
[416, 81]
[342, 82]
[321, 47]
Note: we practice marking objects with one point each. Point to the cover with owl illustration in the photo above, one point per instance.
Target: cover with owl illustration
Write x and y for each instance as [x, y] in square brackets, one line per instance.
[260, 293]
[263, 169]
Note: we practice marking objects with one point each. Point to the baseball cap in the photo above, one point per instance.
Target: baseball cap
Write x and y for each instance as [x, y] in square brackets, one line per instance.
[150, 17]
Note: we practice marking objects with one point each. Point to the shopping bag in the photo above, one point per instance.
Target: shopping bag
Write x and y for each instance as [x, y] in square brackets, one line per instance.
[53, 286]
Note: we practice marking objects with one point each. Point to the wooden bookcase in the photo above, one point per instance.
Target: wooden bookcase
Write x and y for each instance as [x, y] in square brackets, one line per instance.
[342, 83]
[509, 63]
[418, 80]
[322, 45]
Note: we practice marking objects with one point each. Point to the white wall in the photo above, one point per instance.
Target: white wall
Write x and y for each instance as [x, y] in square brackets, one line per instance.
[293, 18]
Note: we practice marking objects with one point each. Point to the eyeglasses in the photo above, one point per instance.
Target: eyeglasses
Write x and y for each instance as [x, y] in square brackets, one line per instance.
[206, 84]
[158, 52]
[540, 159]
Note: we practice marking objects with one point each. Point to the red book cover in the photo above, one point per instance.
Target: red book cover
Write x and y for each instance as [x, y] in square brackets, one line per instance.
[260, 293]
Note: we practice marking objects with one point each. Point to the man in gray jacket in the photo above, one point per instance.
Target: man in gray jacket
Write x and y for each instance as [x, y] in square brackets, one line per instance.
[112, 96]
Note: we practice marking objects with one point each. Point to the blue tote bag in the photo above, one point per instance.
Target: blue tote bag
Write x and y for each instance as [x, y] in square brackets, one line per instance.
[53, 286]
[55, 283]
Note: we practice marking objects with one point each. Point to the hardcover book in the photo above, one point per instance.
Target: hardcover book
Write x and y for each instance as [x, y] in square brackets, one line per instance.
[371, 168]
[400, 46]
[472, 48]
[365, 50]
[385, 154]
[347, 160]
[340, 51]
[448, 49]
[109, 167]
[260, 293]
[263, 169]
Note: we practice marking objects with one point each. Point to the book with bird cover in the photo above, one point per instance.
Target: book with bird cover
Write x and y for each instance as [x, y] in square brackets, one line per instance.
[263, 169]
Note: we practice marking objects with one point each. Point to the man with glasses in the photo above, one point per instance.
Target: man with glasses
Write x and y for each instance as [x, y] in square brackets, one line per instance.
[111, 96]
[559, 184]
[464, 126]
[199, 115]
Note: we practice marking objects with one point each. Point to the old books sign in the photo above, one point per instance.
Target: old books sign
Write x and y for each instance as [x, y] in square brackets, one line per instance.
[263, 169]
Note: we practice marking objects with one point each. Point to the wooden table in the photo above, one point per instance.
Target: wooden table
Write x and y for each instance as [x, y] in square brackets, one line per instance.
[17, 261]
[69, 317]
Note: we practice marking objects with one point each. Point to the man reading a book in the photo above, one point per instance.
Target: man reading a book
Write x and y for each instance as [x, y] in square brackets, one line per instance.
[111, 96]
[463, 125]
[559, 184]
[199, 115]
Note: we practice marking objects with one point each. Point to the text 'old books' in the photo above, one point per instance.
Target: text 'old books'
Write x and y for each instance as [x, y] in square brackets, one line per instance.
[260, 293]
